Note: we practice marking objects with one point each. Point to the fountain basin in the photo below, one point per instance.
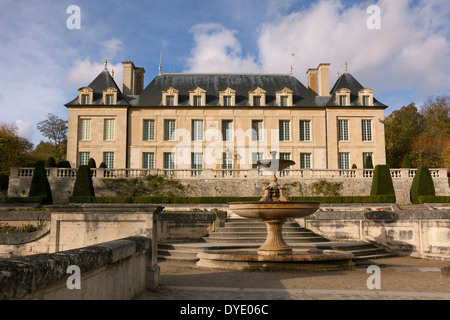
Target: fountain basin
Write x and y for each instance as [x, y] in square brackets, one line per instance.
[267, 210]
[300, 259]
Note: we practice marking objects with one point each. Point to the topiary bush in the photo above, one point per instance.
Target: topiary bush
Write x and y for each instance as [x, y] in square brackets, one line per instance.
[422, 185]
[406, 162]
[64, 164]
[92, 164]
[40, 187]
[83, 186]
[102, 165]
[50, 163]
[382, 181]
[368, 163]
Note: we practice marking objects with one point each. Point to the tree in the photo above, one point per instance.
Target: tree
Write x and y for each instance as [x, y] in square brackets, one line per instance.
[401, 128]
[368, 164]
[436, 114]
[53, 128]
[12, 148]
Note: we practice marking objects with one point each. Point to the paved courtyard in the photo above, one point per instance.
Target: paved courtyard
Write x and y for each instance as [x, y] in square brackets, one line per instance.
[401, 278]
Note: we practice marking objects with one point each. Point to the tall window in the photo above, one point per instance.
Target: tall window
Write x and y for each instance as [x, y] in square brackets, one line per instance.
[366, 130]
[365, 155]
[256, 156]
[85, 129]
[197, 130]
[284, 101]
[109, 127]
[169, 130]
[169, 163]
[149, 130]
[196, 163]
[344, 160]
[257, 101]
[108, 159]
[85, 99]
[285, 156]
[197, 101]
[343, 101]
[284, 131]
[84, 158]
[227, 102]
[170, 101]
[343, 130]
[305, 130]
[227, 130]
[227, 164]
[257, 130]
[148, 160]
[366, 101]
[305, 160]
[109, 99]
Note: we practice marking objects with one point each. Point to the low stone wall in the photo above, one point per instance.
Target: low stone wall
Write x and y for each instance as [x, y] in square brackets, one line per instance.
[353, 182]
[422, 233]
[188, 226]
[120, 269]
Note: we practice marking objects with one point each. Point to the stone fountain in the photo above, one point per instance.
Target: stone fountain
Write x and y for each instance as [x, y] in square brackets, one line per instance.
[274, 209]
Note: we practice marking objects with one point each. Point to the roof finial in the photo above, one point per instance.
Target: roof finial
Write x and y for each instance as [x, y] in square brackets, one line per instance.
[337, 75]
[345, 66]
[160, 59]
[106, 63]
[291, 68]
[112, 73]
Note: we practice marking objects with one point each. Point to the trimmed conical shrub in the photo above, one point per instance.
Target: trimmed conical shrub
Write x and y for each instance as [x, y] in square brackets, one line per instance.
[63, 164]
[406, 162]
[83, 183]
[92, 164]
[382, 181]
[368, 163]
[40, 187]
[50, 163]
[422, 184]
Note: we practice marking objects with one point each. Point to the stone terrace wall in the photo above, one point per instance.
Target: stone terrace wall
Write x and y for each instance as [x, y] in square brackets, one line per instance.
[244, 183]
[120, 269]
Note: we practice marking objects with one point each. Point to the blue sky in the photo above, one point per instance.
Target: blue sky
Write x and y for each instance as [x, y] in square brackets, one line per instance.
[43, 63]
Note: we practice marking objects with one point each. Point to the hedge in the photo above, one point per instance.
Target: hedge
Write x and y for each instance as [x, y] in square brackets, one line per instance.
[40, 187]
[382, 181]
[83, 186]
[433, 199]
[225, 200]
[22, 199]
[422, 184]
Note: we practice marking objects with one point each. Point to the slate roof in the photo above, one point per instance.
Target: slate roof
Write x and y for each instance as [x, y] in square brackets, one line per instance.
[102, 81]
[213, 83]
[346, 80]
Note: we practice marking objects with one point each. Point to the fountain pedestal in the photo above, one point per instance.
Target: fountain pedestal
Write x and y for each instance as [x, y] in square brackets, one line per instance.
[275, 244]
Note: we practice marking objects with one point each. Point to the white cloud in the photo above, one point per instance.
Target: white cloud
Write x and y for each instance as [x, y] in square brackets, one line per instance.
[411, 50]
[217, 49]
[25, 129]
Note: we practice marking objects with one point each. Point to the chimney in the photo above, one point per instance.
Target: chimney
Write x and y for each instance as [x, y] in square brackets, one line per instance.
[312, 80]
[138, 80]
[324, 79]
[128, 78]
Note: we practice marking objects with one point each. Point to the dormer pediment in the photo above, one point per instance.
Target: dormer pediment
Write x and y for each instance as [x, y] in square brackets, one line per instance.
[85, 95]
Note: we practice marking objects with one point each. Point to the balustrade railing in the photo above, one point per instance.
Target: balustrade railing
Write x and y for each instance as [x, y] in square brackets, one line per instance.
[225, 173]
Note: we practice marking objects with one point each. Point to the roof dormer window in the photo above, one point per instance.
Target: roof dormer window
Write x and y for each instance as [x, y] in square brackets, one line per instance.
[257, 97]
[227, 97]
[109, 96]
[366, 97]
[197, 97]
[343, 97]
[284, 97]
[170, 97]
[85, 95]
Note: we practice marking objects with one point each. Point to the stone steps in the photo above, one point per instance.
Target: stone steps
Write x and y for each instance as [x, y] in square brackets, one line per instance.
[246, 233]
